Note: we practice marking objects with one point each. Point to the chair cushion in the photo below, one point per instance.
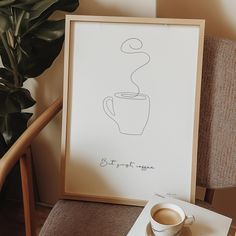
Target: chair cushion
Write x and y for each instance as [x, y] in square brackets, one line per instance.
[69, 218]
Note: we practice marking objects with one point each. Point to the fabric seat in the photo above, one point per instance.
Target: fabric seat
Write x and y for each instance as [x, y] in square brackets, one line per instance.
[72, 218]
[78, 218]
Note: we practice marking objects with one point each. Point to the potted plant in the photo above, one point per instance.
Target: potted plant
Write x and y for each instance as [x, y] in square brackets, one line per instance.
[29, 43]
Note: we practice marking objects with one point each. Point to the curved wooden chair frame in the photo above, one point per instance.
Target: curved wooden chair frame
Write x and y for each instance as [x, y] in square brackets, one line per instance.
[20, 152]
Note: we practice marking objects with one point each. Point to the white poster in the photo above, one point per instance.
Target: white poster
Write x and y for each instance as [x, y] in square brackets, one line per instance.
[131, 108]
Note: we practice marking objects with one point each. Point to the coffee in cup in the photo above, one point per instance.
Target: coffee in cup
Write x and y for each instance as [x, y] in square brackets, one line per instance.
[168, 219]
[167, 216]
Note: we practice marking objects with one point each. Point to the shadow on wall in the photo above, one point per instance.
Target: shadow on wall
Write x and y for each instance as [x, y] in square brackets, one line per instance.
[220, 15]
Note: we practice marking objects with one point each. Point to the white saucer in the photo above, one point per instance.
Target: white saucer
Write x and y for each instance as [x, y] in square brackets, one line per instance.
[185, 231]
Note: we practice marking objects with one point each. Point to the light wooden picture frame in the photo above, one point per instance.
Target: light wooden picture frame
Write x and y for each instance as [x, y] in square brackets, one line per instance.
[130, 108]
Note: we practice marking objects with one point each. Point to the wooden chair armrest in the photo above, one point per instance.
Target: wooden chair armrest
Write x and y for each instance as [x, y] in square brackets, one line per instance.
[19, 147]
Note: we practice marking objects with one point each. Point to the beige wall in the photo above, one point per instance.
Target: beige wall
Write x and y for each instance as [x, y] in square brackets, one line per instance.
[220, 15]
[142, 8]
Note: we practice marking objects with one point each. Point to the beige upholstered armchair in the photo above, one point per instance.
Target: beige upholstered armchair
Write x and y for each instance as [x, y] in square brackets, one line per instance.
[216, 154]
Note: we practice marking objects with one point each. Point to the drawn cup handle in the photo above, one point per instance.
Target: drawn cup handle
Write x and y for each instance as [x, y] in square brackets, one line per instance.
[107, 109]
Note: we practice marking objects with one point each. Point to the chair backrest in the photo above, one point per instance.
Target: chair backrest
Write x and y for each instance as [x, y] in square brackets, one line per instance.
[217, 130]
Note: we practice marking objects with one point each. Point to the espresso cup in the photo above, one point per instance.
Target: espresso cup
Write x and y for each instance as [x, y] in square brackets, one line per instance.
[168, 219]
[130, 111]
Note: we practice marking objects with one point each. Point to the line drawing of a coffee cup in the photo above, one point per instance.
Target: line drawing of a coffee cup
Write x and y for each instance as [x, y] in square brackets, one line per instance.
[129, 111]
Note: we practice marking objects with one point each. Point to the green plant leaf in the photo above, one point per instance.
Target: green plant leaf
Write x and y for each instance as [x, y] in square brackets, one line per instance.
[5, 11]
[23, 97]
[7, 64]
[6, 75]
[13, 125]
[62, 5]
[67, 5]
[50, 30]
[2, 124]
[14, 100]
[4, 3]
[5, 23]
[41, 6]
[41, 55]
[3, 145]
[49, 6]
[8, 105]
[5, 83]
[3, 53]
[22, 23]
[25, 4]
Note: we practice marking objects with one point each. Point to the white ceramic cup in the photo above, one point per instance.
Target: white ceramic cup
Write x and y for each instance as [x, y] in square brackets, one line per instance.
[169, 229]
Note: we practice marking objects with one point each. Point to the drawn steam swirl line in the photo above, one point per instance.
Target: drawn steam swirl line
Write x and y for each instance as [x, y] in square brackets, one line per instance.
[134, 46]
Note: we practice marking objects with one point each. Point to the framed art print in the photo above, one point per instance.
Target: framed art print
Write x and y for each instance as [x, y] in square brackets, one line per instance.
[131, 107]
